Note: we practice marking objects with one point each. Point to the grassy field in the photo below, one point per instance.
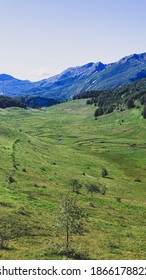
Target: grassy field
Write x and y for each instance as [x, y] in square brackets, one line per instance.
[36, 170]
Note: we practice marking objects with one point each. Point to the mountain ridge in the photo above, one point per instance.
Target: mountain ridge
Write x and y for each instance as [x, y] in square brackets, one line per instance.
[90, 76]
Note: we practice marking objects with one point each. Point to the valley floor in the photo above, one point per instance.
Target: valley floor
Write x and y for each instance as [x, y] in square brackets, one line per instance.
[42, 151]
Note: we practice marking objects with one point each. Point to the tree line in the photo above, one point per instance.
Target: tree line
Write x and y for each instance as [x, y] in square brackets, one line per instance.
[6, 101]
[127, 96]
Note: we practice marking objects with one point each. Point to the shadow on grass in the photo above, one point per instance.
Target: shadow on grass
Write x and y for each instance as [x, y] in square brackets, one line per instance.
[6, 248]
[72, 254]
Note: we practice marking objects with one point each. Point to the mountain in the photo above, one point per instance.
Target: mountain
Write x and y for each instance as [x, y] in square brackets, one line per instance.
[91, 76]
[127, 69]
[11, 86]
[5, 77]
[95, 76]
[70, 81]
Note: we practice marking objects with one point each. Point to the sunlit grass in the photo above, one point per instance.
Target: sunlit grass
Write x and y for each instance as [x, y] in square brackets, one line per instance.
[42, 169]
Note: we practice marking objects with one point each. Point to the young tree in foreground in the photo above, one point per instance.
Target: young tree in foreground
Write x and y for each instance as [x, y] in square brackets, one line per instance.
[71, 218]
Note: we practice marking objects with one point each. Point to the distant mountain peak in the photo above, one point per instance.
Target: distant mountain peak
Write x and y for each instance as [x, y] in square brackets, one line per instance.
[76, 70]
[133, 57]
[100, 66]
[6, 77]
[90, 76]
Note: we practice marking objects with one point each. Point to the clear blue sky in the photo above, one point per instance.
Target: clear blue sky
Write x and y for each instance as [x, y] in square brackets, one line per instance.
[40, 38]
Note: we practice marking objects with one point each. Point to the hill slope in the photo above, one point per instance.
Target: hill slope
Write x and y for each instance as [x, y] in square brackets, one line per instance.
[126, 96]
[36, 171]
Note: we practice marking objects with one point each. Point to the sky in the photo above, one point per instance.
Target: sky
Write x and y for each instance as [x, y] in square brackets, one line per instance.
[42, 38]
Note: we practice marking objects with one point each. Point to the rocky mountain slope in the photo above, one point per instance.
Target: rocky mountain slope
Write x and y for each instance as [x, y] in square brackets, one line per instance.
[91, 76]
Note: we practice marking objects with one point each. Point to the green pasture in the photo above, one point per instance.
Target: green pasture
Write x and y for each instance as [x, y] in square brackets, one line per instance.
[41, 151]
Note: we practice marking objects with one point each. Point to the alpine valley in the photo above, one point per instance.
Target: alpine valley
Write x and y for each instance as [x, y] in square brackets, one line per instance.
[73, 164]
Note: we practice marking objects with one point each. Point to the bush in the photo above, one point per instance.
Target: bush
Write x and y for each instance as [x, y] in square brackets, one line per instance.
[137, 180]
[98, 112]
[118, 199]
[75, 185]
[24, 170]
[11, 227]
[109, 109]
[92, 188]
[143, 99]
[130, 104]
[103, 190]
[104, 173]
[91, 204]
[88, 102]
[10, 179]
[144, 112]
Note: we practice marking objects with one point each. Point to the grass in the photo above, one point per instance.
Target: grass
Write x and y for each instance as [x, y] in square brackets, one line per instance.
[42, 169]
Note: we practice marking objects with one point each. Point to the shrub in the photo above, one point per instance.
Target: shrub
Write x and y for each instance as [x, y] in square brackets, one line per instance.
[24, 170]
[92, 188]
[103, 190]
[88, 102]
[11, 227]
[104, 172]
[91, 204]
[118, 199]
[98, 112]
[144, 112]
[75, 185]
[137, 180]
[43, 168]
[10, 179]
[130, 104]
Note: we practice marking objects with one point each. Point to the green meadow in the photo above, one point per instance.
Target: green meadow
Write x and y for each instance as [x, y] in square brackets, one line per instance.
[41, 151]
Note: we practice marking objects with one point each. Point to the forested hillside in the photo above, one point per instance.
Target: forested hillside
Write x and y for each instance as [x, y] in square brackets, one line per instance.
[6, 101]
[127, 96]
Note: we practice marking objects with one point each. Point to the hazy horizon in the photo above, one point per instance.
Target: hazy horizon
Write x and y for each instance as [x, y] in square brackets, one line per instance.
[42, 38]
